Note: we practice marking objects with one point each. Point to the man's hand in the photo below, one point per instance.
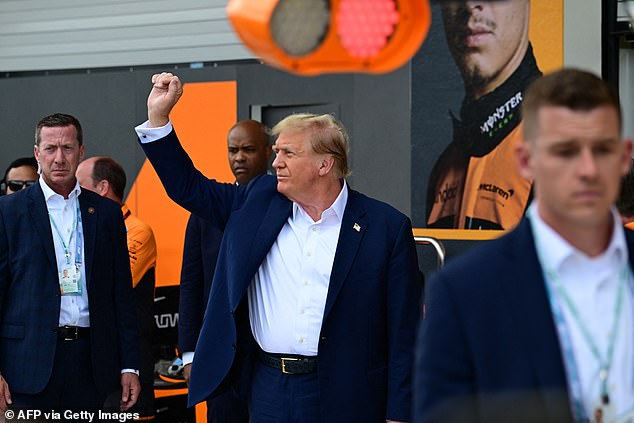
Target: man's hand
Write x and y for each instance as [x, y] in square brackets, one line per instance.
[166, 90]
[187, 370]
[130, 388]
[5, 395]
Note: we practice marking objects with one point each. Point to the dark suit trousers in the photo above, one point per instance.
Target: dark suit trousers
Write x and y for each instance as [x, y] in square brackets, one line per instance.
[228, 407]
[280, 398]
[71, 385]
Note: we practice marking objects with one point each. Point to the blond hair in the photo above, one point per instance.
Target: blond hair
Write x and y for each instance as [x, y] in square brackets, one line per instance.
[325, 133]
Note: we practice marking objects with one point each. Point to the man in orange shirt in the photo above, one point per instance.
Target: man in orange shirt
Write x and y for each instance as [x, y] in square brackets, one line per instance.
[107, 178]
[475, 183]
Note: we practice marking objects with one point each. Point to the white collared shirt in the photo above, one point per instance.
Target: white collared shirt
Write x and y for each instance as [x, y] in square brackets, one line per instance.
[591, 283]
[73, 308]
[148, 134]
[287, 296]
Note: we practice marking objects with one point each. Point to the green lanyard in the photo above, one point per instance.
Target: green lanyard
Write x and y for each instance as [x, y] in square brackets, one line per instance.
[65, 246]
[605, 363]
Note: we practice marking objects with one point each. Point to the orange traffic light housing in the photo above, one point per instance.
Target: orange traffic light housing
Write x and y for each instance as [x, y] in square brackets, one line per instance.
[310, 37]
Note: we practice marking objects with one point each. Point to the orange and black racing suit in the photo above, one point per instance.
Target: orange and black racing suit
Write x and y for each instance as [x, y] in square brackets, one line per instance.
[475, 183]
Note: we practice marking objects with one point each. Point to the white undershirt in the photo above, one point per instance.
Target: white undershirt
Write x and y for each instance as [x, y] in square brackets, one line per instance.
[591, 283]
[287, 296]
[73, 308]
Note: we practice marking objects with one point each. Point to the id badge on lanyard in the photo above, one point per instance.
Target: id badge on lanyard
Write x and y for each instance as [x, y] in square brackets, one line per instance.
[70, 280]
[70, 272]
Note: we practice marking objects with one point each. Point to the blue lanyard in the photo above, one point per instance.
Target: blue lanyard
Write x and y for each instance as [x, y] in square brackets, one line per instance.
[605, 363]
[65, 246]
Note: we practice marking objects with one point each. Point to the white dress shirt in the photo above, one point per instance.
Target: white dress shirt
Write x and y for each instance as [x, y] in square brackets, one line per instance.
[591, 284]
[147, 134]
[73, 308]
[287, 296]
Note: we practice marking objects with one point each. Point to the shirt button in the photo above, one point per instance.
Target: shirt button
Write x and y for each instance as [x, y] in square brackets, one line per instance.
[301, 311]
[308, 254]
[305, 282]
[300, 340]
[314, 229]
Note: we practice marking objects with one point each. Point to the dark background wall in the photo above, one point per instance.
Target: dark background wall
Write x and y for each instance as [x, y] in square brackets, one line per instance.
[110, 102]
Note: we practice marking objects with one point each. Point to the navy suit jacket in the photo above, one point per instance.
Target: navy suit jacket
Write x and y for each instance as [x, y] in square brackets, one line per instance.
[30, 297]
[200, 252]
[488, 349]
[367, 334]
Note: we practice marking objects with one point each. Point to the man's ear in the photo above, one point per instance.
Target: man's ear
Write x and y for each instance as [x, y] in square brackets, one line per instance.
[103, 188]
[326, 164]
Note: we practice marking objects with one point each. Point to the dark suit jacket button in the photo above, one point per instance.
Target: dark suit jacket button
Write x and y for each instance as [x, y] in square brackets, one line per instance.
[233, 347]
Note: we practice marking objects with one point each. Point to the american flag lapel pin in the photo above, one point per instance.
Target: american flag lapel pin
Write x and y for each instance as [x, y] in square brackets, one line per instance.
[356, 227]
[91, 210]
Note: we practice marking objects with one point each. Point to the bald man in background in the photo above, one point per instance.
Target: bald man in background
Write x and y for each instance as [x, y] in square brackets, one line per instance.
[107, 178]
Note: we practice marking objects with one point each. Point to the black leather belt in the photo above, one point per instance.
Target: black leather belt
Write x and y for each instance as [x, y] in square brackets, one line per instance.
[290, 365]
[72, 333]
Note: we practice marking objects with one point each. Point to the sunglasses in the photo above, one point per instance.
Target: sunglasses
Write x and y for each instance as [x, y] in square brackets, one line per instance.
[16, 185]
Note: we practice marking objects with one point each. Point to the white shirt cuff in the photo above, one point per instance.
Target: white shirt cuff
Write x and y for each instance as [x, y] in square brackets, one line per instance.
[136, 372]
[147, 134]
[188, 357]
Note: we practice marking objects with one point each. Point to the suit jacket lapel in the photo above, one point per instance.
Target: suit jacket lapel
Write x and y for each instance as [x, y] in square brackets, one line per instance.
[531, 310]
[353, 227]
[40, 219]
[89, 228]
[271, 224]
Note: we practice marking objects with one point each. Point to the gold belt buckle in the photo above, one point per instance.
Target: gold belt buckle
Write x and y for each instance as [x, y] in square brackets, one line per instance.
[284, 360]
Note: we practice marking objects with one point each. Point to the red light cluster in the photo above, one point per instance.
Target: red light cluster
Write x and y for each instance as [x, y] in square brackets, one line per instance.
[365, 26]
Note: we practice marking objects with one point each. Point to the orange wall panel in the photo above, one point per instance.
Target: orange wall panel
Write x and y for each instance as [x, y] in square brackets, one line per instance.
[202, 119]
[546, 33]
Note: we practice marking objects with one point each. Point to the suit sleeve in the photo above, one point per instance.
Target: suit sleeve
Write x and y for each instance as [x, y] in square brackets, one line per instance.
[442, 368]
[403, 297]
[124, 305]
[191, 307]
[186, 186]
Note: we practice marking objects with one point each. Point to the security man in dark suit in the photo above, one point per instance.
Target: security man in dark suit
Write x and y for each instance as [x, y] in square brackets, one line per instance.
[536, 326]
[68, 333]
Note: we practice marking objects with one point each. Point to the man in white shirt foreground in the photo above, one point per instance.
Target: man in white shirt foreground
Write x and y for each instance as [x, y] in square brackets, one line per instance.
[315, 296]
[537, 325]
